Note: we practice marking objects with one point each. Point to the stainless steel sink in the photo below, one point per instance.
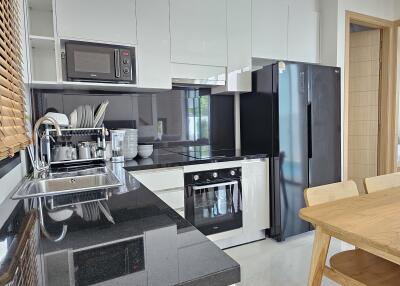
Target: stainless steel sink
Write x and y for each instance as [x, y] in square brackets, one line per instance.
[67, 182]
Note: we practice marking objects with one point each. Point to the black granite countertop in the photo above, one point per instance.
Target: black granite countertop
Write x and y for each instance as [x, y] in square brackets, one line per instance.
[188, 155]
[149, 244]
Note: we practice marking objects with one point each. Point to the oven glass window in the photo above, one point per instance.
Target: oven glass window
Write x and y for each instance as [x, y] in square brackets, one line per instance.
[92, 62]
[217, 205]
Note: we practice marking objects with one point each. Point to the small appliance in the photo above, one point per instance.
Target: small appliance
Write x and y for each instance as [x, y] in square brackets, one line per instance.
[117, 145]
[84, 61]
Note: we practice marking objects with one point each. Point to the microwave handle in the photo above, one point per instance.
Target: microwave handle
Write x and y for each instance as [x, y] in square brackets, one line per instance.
[117, 64]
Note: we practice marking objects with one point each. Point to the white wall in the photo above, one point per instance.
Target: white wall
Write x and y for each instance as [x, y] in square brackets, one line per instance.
[328, 31]
[333, 27]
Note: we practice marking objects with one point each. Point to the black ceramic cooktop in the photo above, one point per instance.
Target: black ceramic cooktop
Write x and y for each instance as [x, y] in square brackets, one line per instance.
[187, 155]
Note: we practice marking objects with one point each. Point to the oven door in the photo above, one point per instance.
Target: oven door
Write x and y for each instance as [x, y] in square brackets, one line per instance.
[92, 62]
[215, 207]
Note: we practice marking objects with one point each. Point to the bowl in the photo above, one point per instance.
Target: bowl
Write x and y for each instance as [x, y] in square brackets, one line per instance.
[61, 214]
[145, 151]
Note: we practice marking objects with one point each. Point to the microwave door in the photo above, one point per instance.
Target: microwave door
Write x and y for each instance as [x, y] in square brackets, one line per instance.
[92, 63]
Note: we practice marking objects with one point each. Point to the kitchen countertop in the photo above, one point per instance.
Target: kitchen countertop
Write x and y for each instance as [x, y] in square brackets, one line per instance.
[187, 155]
[173, 252]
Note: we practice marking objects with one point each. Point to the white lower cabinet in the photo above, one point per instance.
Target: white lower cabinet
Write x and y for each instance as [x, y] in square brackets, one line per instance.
[167, 184]
[173, 197]
[255, 186]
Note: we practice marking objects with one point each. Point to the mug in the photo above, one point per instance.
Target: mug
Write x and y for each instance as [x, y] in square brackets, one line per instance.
[84, 151]
[63, 153]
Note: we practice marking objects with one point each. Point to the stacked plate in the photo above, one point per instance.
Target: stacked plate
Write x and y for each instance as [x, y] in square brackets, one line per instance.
[85, 116]
[130, 148]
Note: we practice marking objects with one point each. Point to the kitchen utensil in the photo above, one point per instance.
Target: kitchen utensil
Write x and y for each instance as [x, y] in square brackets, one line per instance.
[145, 151]
[117, 144]
[61, 118]
[73, 118]
[93, 150]
[84, 150]
[79, 210]
[85, 115]
[100, 113]
[89, 113]
[61, 214]
[62, 153]
[106, 211]
[74, 154]
[108, 150]
[130, 148]
[79, 112]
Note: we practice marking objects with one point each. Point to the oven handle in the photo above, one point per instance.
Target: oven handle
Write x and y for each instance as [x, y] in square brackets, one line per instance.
[196, 188]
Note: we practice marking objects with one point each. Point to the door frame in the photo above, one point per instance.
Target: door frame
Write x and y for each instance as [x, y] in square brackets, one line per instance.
[387, 138]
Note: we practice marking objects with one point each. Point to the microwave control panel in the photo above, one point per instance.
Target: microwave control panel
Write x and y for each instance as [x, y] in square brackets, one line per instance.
[126, 64]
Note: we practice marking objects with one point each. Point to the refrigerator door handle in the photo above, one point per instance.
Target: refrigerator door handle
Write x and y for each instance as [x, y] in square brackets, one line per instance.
[309, 129]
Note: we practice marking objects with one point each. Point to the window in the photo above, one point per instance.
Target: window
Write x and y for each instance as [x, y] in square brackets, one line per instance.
[13, 135]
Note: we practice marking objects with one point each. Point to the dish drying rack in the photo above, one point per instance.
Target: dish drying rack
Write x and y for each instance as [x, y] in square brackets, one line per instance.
[74, 134]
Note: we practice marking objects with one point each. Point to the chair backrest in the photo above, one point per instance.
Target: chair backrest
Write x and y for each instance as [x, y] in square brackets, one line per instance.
[329, 193]
[380, 183]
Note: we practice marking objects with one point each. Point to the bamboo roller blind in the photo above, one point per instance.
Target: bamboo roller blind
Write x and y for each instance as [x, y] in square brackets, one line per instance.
[13, 135]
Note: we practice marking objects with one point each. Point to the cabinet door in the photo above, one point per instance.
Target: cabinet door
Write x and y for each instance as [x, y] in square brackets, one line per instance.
[198, 32]
[161, 179]
[269, 29]
[303, 36]
[97, 20]
[154, 67]
[239, 47]
[255, 184]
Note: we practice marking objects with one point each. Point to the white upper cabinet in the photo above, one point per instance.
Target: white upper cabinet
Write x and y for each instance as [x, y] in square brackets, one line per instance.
[97, 20]
[270, 29]
[303, 36]
[285, 30]
[238, 77]
[153, 53]
[198, 32]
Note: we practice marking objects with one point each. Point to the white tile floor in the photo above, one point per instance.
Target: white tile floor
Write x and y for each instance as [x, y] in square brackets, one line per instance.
[269, 263]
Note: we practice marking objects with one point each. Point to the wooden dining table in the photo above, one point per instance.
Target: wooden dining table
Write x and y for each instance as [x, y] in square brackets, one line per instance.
[369, 222]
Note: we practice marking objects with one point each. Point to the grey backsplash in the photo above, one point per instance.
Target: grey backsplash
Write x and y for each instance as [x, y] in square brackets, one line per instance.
[179, 116]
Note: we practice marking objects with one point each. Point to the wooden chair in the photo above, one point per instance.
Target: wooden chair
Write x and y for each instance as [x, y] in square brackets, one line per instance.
[353, 267]
[380, 183]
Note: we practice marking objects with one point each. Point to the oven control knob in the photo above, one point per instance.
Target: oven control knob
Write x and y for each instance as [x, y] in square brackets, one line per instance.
[233, 173]
[214, 174]
[196, 177]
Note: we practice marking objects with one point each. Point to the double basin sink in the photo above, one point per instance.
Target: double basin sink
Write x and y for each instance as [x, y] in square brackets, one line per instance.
[67, 183]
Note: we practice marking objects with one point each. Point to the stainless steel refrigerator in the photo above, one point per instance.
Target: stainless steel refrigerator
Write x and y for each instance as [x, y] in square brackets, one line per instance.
[293, 116]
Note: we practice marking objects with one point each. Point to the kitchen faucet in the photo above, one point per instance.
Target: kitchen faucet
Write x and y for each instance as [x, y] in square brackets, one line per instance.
[39, 165]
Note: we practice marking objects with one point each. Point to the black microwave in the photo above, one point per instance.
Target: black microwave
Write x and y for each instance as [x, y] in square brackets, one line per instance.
[98, 63]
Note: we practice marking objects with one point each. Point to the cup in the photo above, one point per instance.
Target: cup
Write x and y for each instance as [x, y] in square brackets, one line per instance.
[84, 150]
[63, 153]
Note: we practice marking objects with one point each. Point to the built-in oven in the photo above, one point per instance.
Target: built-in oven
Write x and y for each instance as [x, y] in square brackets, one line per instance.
[213, 200]
[84, 61]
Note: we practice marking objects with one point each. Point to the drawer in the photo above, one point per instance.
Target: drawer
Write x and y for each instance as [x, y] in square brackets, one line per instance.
[160, 179]
[172, 197]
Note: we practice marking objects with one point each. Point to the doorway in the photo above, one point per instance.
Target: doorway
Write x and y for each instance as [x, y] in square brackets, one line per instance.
[364, 86]
[370, 144]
